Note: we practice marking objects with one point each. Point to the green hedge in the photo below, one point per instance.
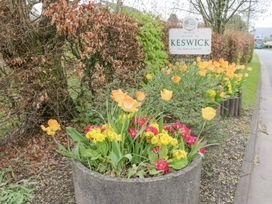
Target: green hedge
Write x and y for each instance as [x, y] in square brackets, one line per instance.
[150, 36]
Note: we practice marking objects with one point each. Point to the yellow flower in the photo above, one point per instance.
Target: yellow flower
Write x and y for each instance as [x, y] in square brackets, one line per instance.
[164, 138]
[154, 140]
[208, 113]
[149, 76]
[118, 137]
[149, 134]
[96, 135]
[53, 127]
[246, 74]
[174, 142]
[211, 93]
[176, 79]
[222, 94]
[249, 69]
[179, 154]
[140, 95]
[155, 125]
[166, 94]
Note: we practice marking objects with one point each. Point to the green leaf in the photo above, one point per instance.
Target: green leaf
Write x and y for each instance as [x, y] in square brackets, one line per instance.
[132, 172]
[62, 150]
[152, 156]
[76, 136]
[128, 156]
[153, 172]
[89, 153]
[164, 151]
[102, 147]
[115, 154]
[141, 174]
[179, 164]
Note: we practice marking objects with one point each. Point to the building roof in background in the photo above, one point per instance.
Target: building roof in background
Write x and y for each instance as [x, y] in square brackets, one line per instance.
[262, 33]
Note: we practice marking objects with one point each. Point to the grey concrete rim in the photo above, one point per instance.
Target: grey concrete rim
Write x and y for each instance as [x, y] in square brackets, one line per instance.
[97, 175]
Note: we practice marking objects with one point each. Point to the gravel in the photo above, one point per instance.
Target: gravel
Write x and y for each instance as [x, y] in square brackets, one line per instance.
[223, 162]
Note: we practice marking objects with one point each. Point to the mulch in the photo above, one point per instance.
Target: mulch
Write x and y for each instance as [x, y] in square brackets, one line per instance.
[36, 158]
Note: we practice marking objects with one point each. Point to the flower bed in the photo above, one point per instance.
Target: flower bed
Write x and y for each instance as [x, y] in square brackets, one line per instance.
[134, 144]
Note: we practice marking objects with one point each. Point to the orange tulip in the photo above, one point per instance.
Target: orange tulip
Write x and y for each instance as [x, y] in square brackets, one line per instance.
[117, 95]
[140, 95]
[128, 104]
[176, 79]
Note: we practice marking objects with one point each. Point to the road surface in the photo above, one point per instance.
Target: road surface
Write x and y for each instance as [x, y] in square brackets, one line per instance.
[260, 189]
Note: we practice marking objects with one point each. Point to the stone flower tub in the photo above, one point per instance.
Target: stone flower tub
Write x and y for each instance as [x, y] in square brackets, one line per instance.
[181, 187]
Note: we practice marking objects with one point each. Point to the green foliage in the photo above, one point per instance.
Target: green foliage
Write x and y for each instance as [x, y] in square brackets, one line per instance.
[250, 86]
[150, 36]
[14, 193]
[189, 96]
[110, 149]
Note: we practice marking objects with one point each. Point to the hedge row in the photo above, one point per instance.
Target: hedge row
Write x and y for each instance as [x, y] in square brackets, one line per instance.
[233, 46]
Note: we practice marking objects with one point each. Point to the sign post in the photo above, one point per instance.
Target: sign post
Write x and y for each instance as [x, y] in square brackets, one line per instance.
[190, 40]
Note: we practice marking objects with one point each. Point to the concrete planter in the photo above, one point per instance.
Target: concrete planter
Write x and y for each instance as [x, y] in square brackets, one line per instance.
[231, 107]
[180, 187]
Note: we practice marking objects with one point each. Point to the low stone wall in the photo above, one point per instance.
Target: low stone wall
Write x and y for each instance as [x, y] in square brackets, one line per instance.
[174, 188]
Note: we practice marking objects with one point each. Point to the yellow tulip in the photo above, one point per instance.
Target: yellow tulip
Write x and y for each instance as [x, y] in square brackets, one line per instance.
[166, 94]
[222, 94]
[208, 113]
[149, 76]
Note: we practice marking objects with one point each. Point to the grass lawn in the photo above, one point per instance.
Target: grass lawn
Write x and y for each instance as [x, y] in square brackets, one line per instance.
[250, 87]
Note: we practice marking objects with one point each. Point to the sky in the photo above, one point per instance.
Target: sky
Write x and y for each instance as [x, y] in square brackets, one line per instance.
[164, 8]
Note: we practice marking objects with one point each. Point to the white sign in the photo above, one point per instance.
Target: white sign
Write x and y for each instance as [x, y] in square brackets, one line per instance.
[190, 42]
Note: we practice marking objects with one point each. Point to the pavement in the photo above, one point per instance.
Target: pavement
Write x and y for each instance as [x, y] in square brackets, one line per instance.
[260, 180]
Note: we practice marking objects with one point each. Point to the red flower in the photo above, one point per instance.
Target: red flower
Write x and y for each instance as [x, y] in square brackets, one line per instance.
[87, 129]
[139, 120]
[183, 129]
[151, 129]
[202, 150]
[132, 132]
[190, 140]
[177, 125]
[162, 164]
[156, 150]
[168, 128]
